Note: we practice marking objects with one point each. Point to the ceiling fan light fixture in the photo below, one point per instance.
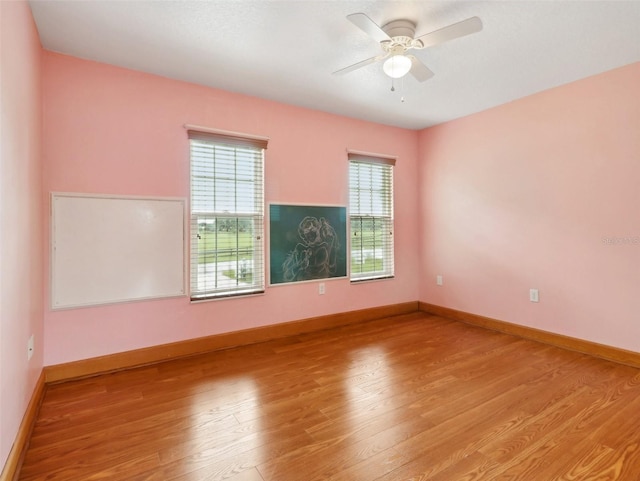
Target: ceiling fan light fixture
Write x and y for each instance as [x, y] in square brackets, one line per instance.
[397, 66]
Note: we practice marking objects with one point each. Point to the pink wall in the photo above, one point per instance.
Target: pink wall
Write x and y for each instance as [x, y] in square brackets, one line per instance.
[21, 234]
[543, 192]
[116, 131]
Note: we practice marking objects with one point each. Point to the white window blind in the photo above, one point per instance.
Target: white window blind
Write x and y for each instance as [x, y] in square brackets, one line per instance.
[227, 215]
[371, 216]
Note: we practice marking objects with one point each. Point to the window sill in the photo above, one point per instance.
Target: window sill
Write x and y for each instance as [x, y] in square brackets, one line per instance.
[370, 279]
[221, 297]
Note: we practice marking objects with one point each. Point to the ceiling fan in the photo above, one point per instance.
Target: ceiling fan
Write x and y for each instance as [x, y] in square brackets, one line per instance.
[397, 38]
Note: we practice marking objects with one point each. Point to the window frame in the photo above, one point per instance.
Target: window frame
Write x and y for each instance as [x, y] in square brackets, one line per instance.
[254, 150]
[385, 167]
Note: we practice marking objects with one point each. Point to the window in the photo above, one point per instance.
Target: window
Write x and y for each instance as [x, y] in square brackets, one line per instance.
[227, 215]
[371, 216]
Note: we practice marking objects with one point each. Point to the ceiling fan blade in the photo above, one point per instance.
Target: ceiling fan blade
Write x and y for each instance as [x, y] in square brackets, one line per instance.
[457, 30]
[368, 26]
[419, 70]
[358, 65]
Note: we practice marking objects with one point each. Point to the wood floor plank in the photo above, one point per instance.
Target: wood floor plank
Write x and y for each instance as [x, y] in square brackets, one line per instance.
[412, 397]
[373, 467]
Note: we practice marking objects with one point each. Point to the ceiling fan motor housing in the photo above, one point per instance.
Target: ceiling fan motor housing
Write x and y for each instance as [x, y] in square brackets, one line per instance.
[401, 33]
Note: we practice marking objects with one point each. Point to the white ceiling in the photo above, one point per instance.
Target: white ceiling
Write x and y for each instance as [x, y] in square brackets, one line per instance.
[287, 50]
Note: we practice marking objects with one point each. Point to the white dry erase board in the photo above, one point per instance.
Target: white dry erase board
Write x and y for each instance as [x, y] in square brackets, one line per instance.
[107, 249]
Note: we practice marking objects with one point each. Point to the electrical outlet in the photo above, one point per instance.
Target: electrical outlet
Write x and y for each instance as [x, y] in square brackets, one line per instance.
[439, 280]
[533, 295]
[30, 348]
[321, 288]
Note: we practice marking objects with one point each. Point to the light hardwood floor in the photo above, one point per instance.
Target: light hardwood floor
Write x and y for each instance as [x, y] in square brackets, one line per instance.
[413, 397]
